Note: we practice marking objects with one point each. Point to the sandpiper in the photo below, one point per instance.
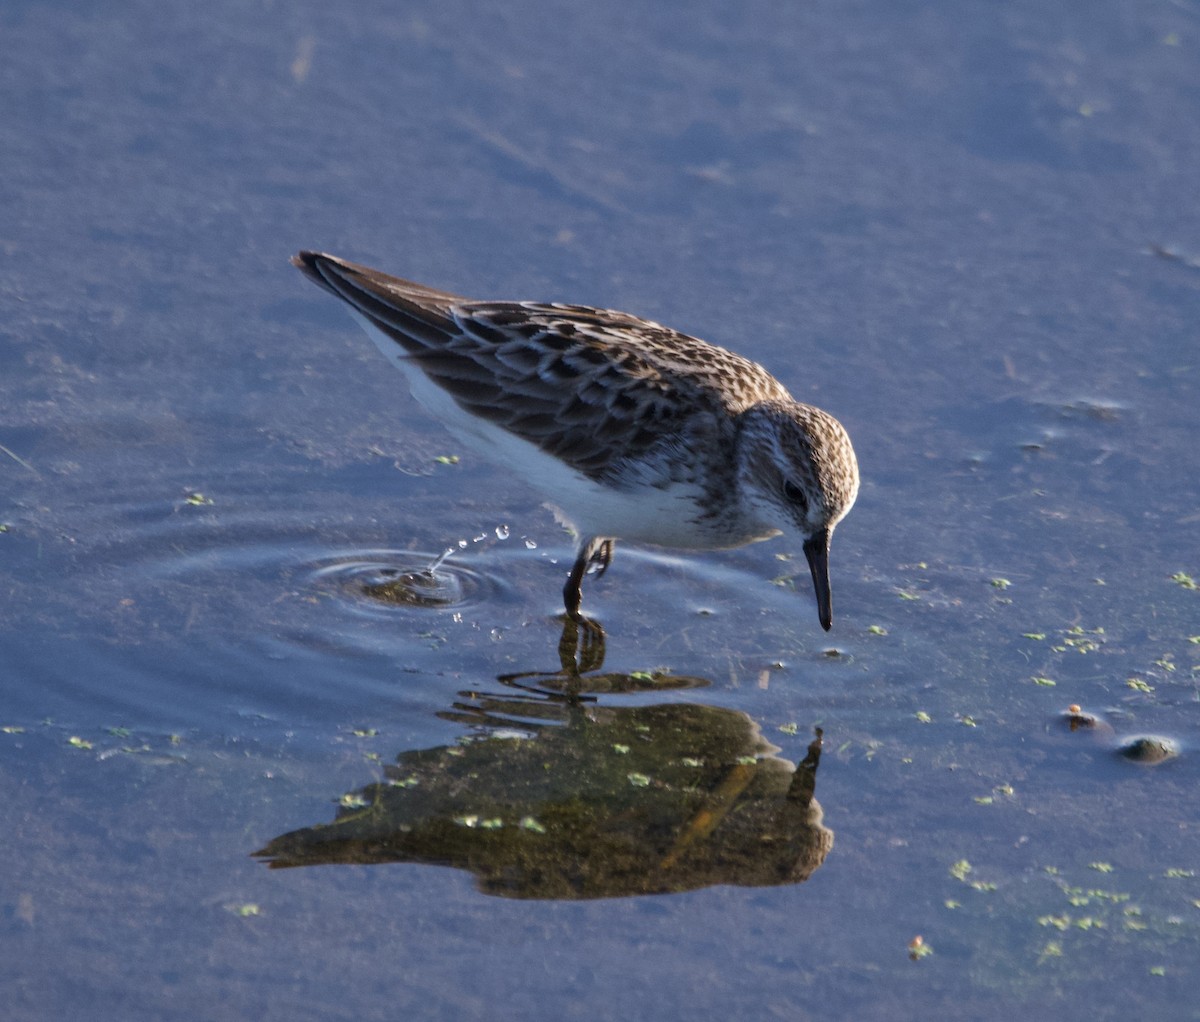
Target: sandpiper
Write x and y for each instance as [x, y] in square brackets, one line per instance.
[631, 429]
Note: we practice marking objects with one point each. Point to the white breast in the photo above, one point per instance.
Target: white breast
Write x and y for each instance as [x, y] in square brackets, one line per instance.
[640, 513]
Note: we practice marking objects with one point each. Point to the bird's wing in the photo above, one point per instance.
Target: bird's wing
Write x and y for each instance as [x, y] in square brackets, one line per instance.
[592, 387]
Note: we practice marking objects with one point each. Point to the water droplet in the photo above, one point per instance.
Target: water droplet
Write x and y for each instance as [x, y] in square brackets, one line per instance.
[530, 544]
[502, 532]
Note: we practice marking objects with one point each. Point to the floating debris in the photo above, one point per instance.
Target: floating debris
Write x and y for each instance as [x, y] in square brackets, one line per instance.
[1148, 749]
[918, 949]
[1089, 408]
[1075, 719]
[1169, 252]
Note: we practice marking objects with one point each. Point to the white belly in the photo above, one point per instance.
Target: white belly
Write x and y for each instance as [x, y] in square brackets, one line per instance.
[643, 514]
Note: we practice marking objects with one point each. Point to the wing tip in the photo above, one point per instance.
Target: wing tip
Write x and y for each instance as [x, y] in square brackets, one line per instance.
[317, 267]
[330, 271]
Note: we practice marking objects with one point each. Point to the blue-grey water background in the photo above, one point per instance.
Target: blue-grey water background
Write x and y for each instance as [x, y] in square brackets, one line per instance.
[969, 230]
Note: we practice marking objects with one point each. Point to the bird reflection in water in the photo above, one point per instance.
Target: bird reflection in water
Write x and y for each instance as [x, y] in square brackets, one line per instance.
[554, 794]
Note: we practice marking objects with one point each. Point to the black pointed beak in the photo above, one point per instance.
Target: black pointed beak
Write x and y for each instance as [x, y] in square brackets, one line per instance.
[817, 552]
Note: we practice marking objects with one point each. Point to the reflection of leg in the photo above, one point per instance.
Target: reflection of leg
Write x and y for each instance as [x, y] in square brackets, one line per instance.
[580, 651]
[591, 654]
[581, 646]
[595, 554]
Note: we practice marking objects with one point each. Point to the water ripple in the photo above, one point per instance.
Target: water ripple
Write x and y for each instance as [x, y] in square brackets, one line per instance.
[384, 582]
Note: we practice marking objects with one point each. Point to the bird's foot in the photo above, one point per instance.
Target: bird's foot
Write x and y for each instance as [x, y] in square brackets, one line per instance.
[600, 558]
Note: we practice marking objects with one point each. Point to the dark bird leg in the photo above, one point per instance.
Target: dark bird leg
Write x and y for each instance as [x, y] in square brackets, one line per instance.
[595, 554]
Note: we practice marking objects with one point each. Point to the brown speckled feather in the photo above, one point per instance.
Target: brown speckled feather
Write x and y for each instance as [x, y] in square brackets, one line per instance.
[592, 387]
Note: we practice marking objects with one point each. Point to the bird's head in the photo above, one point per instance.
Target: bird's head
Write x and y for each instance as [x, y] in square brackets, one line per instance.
[799, 471]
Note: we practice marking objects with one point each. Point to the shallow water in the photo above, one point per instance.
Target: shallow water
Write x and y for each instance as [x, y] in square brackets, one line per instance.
[968, 232]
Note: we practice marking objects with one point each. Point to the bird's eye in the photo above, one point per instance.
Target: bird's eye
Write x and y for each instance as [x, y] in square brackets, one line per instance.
[796, 495]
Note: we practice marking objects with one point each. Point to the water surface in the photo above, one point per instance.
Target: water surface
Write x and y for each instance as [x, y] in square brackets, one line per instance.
[969, 232]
